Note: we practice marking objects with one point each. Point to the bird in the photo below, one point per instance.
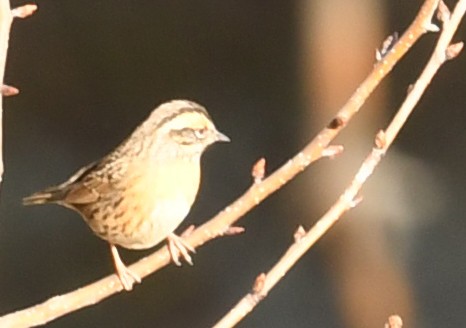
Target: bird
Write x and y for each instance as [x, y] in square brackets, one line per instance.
[139, 193]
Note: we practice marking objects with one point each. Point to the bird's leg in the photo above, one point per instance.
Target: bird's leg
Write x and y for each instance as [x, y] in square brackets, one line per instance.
[177, 246]
[126, 276]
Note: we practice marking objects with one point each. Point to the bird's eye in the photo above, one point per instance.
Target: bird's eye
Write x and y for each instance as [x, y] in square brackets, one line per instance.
[200, 133]
[188, 136]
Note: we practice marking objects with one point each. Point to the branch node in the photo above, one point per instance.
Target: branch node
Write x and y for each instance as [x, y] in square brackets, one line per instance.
[431, 27]
[332, 151]
[410, 87]
[394, 321]
[234, 230]
[8, 90]
[24, 11]
[259, 283]
[258, 170]
[453, 50]
[380, 140]
[387, 45]
[336, 123]
[355, 202]
[299, 234]
[443, 13]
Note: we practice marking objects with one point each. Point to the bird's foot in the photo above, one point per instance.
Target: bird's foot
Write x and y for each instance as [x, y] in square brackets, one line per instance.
[177, 246]
[127, 277]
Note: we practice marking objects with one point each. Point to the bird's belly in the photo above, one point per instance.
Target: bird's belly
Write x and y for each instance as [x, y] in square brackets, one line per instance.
[156, 226]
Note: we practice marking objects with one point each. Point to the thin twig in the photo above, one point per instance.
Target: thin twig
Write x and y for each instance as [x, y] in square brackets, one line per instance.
[220, 224]
[6, 18]
[349, 199]
[5, 23]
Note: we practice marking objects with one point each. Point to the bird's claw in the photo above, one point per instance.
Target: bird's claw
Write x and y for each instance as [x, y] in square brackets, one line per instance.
[127, 277]
[177, 246]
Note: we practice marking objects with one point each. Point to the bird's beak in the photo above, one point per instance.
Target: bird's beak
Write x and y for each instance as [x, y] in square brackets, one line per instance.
[221, 137]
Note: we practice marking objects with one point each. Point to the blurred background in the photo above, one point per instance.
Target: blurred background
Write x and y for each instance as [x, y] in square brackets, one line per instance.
[271, 75]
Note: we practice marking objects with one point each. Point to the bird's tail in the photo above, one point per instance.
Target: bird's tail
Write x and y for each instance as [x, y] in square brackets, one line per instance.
[58, 193]
[49, 195]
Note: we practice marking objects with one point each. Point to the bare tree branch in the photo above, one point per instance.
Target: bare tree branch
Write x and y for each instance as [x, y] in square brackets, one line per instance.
[349, 198]
[5, 23]
[6, 18]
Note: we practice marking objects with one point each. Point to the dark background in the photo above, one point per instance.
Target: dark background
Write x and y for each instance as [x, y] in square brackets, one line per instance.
[90, 71]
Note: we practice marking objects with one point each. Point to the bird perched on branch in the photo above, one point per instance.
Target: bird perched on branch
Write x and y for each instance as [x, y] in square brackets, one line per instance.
[138, 194]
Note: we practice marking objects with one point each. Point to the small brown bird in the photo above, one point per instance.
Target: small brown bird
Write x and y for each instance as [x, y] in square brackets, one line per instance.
[137, 195]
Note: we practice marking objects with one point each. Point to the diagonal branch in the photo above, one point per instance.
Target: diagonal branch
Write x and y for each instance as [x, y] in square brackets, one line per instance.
[349, 198]
[221, 223]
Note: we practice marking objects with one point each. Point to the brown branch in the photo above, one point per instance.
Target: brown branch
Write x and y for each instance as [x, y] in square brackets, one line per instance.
[219, 225]
[349, 198]
[6, 18]
[5, 23]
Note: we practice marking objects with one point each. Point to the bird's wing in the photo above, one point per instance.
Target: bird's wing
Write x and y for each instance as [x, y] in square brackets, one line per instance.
[88, 185]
